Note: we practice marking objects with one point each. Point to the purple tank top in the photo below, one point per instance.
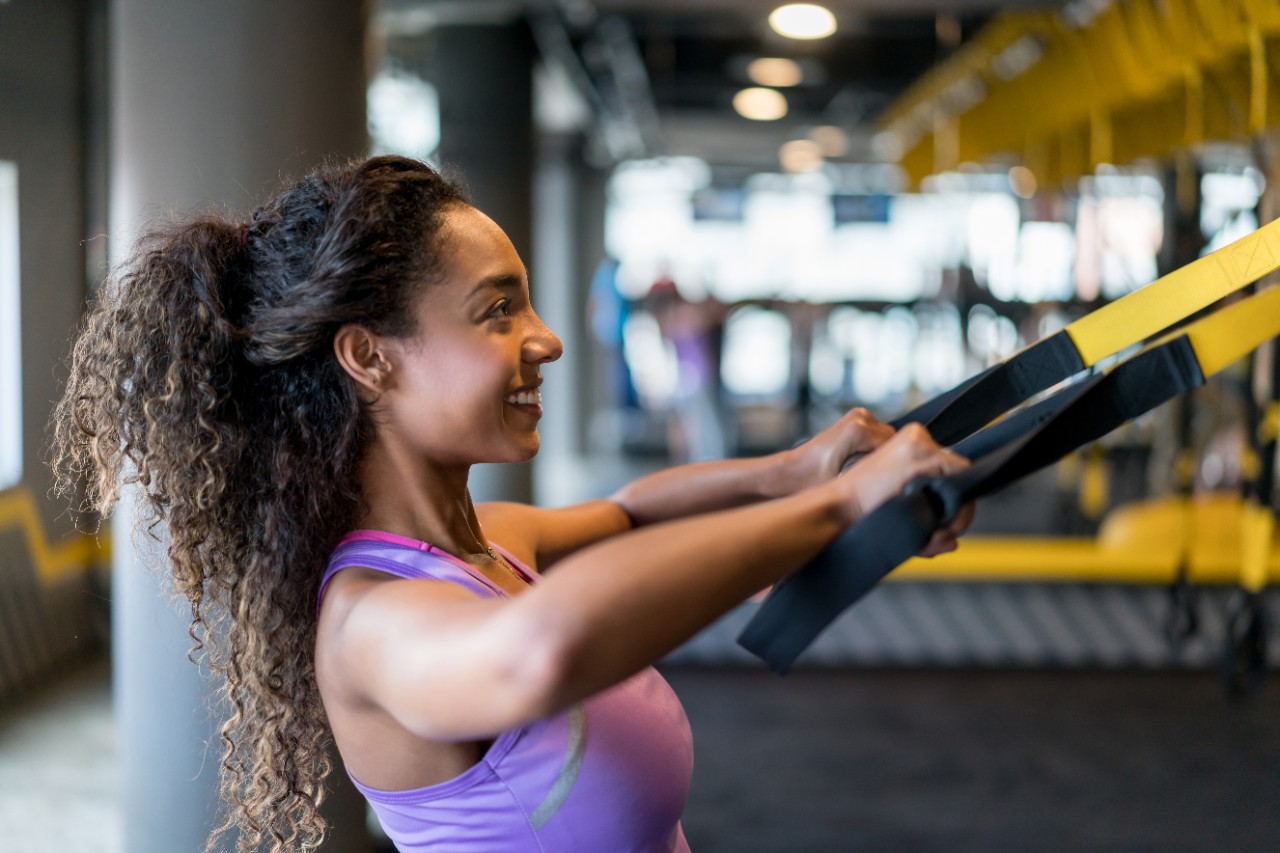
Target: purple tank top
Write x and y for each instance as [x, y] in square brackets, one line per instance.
[609, 774]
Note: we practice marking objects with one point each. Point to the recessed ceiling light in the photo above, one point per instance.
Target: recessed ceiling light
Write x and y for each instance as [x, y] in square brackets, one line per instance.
[834, 141]
[1022, 181]
[760, 104]
[775, 71]
[803, 21]
[800, 155]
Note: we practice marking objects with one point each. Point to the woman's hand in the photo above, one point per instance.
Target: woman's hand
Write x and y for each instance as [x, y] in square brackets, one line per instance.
[822, 457]
[947, 538]
[884, 473]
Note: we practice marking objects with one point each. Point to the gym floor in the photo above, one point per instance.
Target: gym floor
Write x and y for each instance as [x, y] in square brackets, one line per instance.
[924, 761]
[825, 761]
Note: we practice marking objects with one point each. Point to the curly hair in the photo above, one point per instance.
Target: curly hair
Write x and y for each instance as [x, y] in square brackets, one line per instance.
[204, 374]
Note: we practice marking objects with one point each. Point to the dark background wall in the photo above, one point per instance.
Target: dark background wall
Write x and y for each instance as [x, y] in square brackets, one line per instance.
[49, 602]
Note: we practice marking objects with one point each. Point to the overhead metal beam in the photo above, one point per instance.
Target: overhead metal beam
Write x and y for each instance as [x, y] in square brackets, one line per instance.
[1138, 78]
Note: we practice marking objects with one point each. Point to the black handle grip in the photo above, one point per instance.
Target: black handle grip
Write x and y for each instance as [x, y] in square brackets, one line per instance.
[803, 604]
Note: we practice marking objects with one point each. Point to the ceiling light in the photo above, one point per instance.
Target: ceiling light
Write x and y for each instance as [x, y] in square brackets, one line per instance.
[775, 71]
[1022, 181]
[800, 155]
[760, 104]
[802, 21]
[834, 141]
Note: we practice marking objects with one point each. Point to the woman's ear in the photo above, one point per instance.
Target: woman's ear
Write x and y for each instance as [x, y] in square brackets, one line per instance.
[363, 356]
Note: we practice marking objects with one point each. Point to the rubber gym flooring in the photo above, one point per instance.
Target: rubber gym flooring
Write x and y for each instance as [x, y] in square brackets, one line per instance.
[946, 760]
[826, 761]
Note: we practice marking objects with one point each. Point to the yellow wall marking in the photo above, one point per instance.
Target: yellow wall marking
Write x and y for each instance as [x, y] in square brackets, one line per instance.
[53, 561]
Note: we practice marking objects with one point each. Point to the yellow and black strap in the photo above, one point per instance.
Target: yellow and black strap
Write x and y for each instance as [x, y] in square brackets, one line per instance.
[802, 605]
[1111, 329]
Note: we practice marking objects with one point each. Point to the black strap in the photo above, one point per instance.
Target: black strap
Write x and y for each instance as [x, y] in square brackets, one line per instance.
[803, 604]
[973, 404]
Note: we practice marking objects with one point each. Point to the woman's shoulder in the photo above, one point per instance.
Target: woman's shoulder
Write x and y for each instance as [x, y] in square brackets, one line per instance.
[515, 526]
[539, 536]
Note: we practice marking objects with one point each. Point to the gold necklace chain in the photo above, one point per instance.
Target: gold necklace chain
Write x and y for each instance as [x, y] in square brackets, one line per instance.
[489, 552]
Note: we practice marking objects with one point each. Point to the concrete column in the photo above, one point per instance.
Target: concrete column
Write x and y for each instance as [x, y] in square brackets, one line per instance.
[556, 272]
[568, 245]
[594, 377]
[212, 101]
[483, 73]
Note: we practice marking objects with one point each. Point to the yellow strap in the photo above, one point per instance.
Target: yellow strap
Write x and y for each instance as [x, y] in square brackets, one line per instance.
[1095, 483]
[1177, 295]
[1269, 429]
[1209, 537]
[1185, 467]
[1231, 333]
[1250, 463]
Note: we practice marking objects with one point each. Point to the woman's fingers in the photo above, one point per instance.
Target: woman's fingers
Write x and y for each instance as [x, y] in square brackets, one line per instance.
[942, 541]
[825, 455]
[865, 431]
[857, 432]
[947, 538]
[963, 519]
[924, 457]
[908, 454]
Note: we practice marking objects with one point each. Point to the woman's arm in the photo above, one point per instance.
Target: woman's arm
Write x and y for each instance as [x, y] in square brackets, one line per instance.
[543, 537]
[447, 666]
[707, 486]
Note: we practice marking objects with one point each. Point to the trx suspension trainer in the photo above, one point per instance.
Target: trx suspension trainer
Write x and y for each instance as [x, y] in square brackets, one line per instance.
[802, 605]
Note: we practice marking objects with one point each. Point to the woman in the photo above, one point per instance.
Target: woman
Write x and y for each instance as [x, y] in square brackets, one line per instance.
[301, 398]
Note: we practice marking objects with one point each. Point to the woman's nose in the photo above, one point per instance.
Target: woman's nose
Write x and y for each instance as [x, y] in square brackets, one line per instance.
[542, 346]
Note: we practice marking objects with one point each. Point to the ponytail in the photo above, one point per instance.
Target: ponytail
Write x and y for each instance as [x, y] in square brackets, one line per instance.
[204, 375]
[152, 371]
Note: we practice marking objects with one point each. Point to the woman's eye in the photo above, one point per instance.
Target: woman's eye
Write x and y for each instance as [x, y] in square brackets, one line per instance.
[502, 309]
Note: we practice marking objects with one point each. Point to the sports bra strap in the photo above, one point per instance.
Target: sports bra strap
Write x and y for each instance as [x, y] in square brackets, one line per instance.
[410, 558]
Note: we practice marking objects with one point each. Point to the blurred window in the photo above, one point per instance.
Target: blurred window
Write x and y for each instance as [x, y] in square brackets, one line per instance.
[1119, 231]
[1228, 206]
[403, 114]
[10, 332]
[1046, 256]
[992, 226]
[757, 353]
[876, 353]
[811, 237]
[991, 338]
[652, 360]
[938, 361]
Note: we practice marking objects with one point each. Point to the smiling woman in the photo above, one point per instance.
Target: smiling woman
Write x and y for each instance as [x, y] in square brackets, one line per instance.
[335, 367]
[477, 344]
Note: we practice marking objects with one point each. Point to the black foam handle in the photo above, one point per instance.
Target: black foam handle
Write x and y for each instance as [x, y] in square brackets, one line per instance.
[800, 606]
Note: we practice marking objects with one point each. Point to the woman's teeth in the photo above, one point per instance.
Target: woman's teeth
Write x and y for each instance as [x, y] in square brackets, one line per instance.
[526, 398]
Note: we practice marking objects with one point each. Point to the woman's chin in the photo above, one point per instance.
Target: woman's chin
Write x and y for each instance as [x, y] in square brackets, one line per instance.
[523, 451]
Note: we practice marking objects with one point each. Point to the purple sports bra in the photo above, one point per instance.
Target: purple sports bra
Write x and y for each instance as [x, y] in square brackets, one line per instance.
[608, 775]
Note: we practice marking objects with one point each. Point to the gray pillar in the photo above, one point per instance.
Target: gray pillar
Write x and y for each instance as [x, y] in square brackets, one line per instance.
[555, 271]
[210, 102]
[596, 380]
[484, 76]
[568, 245]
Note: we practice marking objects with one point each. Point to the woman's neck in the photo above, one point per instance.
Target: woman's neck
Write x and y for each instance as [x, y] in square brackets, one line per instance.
[411, 496]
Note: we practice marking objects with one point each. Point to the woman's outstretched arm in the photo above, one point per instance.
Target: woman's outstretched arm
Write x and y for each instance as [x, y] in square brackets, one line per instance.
[448, 666]
[706, 486]
[546, 536]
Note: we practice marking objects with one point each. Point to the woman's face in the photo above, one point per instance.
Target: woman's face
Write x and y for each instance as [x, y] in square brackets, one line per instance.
[468, 387]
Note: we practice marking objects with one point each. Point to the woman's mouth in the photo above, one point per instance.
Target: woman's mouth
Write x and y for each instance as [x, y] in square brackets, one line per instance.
[529, 401]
